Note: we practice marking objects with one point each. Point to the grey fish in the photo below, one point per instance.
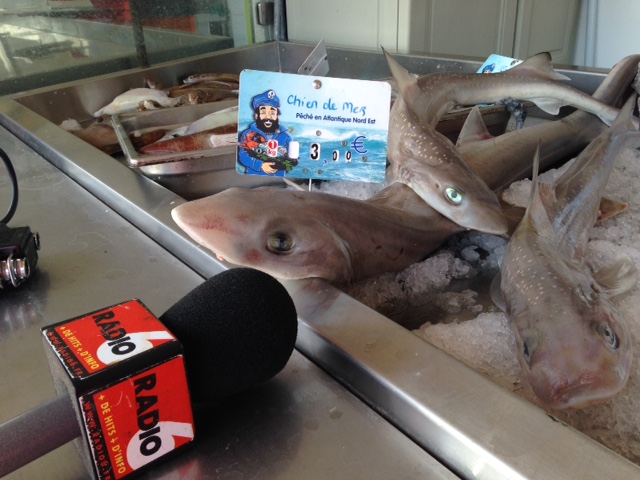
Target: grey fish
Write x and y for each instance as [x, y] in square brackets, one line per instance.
[317, 225]
[573, 346]
[501, 160]
[424, 159]
[428, 162]
[292, 234]
[433, 95]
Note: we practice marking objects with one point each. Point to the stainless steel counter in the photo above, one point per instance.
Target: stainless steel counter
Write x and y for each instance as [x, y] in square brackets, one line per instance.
[471, 425]
[302, 424]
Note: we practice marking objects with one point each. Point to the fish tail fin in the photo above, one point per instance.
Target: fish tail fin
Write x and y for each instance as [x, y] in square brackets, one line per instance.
[625, 115]
[400, 74]
[473, 129]
[496, 293]
[535, 181]
[542, 197]
[538, 65]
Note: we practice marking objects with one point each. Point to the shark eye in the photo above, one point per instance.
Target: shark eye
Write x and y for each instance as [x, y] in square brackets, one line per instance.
[529, 347]
[280, 243]
[453, 195]
[525, 352]
[609, 337]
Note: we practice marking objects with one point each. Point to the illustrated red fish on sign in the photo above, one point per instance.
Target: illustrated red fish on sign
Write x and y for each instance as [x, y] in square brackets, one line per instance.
[253, 141]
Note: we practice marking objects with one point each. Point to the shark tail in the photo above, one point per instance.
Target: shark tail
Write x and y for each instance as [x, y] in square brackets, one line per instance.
[473, 129]
[541, 200]
[624, 119]
[400, 74]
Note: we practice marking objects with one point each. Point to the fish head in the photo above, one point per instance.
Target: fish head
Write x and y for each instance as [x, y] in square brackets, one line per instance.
[425, 160]
[459, 195]
[270, 229]
[580, 357]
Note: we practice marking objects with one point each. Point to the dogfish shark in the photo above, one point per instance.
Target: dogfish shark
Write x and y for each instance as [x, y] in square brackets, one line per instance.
[573, 346]
[424, 159]
[431, 96]
[342, 240]
[294, 234]
[501, 160]
[427, 161]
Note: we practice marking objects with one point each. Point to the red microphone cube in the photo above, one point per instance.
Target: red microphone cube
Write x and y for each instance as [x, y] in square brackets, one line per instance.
[125, 372]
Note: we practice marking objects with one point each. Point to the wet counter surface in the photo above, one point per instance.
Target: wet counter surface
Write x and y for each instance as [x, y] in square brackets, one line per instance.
[301, 424]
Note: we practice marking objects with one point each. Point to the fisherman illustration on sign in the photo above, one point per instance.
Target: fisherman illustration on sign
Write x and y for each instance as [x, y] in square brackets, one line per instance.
[263, 148]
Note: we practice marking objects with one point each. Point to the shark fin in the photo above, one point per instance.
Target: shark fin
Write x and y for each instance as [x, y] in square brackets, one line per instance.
[617, 277]
[548, 105]
[496, 293]
[541, 200]
[624, 120]
[474, 129]
[610, 208]
[538, 65]
[401, 75]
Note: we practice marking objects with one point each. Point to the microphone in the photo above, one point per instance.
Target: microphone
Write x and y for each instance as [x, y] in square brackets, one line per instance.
[238, 329]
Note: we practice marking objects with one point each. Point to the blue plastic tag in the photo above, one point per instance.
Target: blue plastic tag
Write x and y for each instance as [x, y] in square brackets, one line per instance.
[497, 63]
[302, 126]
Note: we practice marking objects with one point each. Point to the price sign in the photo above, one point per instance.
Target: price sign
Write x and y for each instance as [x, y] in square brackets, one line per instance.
[302, 126]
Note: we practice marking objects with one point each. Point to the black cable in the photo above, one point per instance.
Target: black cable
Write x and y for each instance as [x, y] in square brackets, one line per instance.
[14, 182]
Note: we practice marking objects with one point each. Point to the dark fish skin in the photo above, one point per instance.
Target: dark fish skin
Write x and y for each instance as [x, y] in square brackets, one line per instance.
[573, 346]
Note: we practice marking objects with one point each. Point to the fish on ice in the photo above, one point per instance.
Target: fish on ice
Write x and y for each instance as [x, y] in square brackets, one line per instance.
[501, 160]
[572, 344]
[427, 161]
[294, 234]
[431, 96]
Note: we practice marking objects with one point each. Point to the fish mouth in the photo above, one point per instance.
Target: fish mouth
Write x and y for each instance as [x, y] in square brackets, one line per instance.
[489, 219]
[589, 390]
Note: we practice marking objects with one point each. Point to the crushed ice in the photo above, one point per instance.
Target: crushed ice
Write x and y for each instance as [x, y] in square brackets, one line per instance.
[444, 299]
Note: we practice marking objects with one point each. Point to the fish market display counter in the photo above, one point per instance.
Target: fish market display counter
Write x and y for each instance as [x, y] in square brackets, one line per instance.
[471, 425]
[301, 424]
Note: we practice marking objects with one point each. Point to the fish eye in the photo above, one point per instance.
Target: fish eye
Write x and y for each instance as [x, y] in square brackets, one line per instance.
[525, 352]
[529, 347]
[610, 339]
[280, 243]
[453, 195]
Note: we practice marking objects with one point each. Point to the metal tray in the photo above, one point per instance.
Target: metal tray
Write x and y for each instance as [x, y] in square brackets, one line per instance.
[215, 159]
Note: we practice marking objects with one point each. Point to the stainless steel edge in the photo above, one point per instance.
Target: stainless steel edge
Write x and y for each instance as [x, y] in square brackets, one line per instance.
[473, 426]
[140, 200]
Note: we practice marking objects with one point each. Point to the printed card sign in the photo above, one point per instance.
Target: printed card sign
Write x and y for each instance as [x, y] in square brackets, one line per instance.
[302, 126]
[497, 63]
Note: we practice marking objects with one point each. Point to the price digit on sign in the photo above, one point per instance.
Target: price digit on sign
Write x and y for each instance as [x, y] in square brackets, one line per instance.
[347, 156]
[314, 152]
[336, 155]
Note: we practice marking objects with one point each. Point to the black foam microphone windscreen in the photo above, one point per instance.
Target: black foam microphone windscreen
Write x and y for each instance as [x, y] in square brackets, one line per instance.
[235, 331]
